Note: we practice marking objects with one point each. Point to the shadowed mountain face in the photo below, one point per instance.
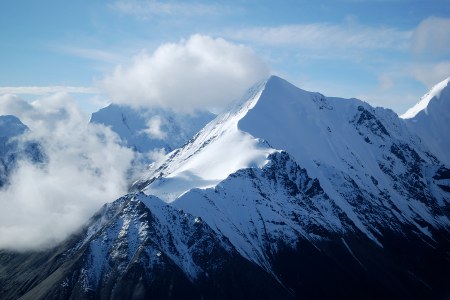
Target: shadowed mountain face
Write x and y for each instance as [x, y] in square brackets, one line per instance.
[289, 195]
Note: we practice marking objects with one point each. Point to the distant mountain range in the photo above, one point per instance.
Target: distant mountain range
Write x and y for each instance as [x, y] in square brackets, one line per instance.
[288, 195]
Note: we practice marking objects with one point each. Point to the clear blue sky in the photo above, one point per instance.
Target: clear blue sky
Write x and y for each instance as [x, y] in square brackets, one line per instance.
[387, 52]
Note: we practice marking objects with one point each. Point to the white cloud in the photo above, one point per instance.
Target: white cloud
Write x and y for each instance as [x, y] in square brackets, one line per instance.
[154, 129]
[150, 8]
[430, 73]
[432, 36]
[326, 36]
[198, 73]
[156, 154]
[86, 167]
[42, 90]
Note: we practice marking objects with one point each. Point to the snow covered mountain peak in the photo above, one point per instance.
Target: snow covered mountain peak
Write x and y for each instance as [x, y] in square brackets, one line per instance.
[287, 191]
[438, 93]
[354, 150]
[217, 151]
[221, 148]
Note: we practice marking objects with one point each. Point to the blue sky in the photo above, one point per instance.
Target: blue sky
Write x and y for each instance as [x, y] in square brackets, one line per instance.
[388, 53]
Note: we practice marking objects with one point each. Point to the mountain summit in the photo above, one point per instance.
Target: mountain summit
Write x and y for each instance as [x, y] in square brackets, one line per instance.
[289, 194]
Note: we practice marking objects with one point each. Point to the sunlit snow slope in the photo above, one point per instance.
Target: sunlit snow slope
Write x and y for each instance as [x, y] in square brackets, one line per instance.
[430, 120]
[218, 150]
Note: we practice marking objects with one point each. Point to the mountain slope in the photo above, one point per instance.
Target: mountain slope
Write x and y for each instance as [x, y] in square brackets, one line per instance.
[430, 119]
[138, 248]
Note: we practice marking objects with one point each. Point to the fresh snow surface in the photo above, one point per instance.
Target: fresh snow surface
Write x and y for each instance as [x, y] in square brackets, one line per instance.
[430, 120]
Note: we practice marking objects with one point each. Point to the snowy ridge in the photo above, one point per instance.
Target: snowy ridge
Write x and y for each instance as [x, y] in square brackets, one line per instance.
[430, 119]
[355, 151]
[143, 229]
[259, 209]
[365, 159]
[218, 150]
[422, 105]
[142, 237]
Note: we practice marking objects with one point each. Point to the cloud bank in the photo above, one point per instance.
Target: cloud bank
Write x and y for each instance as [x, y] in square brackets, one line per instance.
[200, 73]
[430, 73]
[86, 168]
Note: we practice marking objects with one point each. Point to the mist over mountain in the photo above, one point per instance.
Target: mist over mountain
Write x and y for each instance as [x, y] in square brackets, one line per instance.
[151, 131]
[287, 195]
[12, 150]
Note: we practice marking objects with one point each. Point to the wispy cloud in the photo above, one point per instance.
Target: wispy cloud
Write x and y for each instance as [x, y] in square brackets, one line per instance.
[432, 36]
[326, 36]
[430, 73]
[91, 53]
[43, 90]
[150, 8]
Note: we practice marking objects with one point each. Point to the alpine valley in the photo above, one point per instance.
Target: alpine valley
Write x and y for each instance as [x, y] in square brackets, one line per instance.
[287, 195]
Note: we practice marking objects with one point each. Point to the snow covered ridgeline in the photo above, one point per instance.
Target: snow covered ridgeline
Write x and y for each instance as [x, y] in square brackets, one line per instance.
[430, 119]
